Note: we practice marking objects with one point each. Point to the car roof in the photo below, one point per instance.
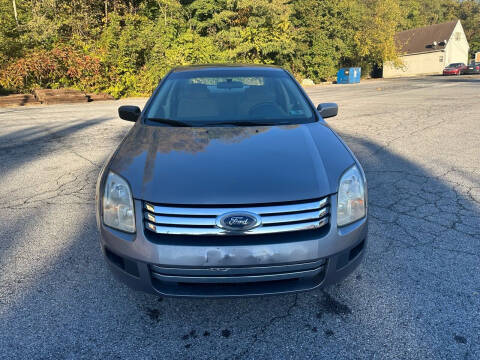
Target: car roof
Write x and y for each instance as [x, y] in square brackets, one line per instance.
[210, 67]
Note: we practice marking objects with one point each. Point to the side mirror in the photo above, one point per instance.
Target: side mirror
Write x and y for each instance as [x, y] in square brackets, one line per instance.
[129, 112]
[328, 110]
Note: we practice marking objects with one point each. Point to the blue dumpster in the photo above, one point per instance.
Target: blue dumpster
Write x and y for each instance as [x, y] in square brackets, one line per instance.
[349, 75]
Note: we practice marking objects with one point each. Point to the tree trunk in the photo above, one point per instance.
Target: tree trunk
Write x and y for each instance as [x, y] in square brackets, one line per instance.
[15, 11]
[106, 12]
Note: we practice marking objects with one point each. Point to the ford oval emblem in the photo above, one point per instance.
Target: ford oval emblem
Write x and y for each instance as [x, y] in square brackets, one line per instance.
[238, 221]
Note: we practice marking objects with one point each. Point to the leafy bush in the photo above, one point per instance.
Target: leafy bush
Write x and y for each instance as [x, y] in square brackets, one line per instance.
[59, 67]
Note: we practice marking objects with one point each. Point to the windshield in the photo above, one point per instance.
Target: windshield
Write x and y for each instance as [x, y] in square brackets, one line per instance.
[454, 65]
[229, 97]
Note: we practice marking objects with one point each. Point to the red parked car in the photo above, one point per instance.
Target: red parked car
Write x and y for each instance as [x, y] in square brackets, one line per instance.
[454, 69]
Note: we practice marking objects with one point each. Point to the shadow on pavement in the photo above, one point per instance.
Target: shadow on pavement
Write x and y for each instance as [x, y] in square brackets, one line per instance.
[31, 143]
[411, 299]
[474, 79]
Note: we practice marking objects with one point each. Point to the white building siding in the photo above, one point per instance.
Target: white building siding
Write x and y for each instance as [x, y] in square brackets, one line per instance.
[432, 62]
[457, 47]
[420, 64]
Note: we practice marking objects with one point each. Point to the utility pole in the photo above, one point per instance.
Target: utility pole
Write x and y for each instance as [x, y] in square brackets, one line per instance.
[15, 11]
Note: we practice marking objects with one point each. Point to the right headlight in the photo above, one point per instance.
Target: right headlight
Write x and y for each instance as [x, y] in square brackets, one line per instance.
[118, 211]
[351, 204]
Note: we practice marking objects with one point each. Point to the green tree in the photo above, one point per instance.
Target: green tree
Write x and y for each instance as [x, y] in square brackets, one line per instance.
[129, 45]
[325, 36]
[469, 13]
[375, 42]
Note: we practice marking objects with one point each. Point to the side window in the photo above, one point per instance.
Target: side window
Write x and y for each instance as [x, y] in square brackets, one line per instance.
[286, 99]
[158, 107]
[296, 105]
[458, 36]
[441, 58]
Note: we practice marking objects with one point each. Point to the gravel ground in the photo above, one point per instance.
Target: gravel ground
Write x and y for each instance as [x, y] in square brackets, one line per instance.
[416, 296]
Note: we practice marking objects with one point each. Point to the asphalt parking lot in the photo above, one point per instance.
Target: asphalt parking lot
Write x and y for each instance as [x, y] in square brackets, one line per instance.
[416, 296]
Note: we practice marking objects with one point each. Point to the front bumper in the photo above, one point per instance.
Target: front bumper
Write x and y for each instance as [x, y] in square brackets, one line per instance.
[224, 266]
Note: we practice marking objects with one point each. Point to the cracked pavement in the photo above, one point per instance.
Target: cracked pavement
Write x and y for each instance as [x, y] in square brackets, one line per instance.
[416, 295]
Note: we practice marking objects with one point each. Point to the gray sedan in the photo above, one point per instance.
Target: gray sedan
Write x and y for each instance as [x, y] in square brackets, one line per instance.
[230, 183]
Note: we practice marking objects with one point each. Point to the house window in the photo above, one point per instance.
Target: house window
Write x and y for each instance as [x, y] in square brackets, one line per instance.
[441, 58]
[458, 36]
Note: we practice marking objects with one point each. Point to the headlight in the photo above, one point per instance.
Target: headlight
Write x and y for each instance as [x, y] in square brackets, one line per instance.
[118, 211]
[351, 197]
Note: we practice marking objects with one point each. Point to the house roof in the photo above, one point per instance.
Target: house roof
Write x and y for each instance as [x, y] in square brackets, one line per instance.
[420, 40]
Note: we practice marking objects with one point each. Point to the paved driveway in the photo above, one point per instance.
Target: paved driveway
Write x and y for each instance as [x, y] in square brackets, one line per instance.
[417, 295]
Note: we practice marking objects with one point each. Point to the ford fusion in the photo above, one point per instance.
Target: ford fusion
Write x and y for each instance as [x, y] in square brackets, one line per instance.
[230, 183]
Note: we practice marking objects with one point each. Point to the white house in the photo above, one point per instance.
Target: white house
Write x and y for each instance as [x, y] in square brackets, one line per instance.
[428, 50]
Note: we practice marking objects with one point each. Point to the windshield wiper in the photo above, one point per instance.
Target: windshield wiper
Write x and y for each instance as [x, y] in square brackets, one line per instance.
[170, 122]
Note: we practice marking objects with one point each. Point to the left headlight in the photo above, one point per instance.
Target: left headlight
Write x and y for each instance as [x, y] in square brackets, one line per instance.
[351, 204]
[118, 210]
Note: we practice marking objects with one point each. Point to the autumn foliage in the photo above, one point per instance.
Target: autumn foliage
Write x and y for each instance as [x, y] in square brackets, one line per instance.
[59, 67]
[124, 47]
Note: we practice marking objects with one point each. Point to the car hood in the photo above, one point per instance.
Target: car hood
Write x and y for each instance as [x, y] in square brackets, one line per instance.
[231, 165]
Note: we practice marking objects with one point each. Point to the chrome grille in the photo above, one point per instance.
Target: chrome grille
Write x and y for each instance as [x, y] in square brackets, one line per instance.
[177, 220]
